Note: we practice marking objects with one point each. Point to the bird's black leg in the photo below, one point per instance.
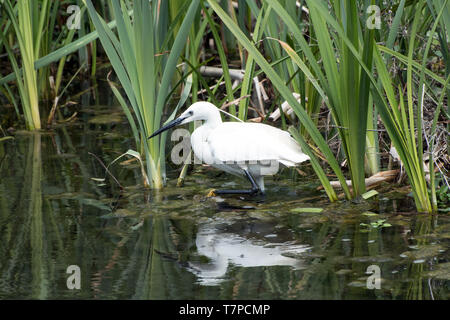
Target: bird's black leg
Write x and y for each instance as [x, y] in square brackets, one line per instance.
[252, 181]
[255, 188]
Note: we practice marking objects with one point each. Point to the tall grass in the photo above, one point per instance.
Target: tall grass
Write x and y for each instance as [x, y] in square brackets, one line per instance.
[61, 52]
[31, 25]
[345, 81]
[403, 121]
[144, 68]
[287, 95]
[334, 62]
[399, 121]
[444, 34]
[28, 39]
[345, 88]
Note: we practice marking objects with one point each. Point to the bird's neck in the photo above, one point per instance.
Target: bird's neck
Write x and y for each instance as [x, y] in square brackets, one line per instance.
[213, 119]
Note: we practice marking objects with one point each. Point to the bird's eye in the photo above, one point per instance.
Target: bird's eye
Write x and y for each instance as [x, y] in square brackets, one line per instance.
[191, 113]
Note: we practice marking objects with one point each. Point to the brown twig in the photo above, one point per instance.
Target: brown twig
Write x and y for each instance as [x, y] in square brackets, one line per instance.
[107, 171]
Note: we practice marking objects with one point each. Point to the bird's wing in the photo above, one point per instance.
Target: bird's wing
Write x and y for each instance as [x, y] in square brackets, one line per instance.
[235, 142]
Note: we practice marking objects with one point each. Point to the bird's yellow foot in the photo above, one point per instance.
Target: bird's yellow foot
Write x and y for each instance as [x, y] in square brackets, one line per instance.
[211, 193]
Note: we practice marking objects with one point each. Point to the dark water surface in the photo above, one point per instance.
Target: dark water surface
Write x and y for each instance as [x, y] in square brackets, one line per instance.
[179, 244]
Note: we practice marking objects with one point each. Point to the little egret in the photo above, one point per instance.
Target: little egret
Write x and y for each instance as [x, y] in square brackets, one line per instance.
[253, 150]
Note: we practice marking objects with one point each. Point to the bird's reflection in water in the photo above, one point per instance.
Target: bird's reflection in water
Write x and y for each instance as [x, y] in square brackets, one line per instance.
[223, 245]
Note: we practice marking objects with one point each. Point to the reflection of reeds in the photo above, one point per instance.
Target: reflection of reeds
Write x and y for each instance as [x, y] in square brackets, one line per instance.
[34, 253]
[159, 273]
[29, 233]
[151, 270]
[39, 263]
[419, 287]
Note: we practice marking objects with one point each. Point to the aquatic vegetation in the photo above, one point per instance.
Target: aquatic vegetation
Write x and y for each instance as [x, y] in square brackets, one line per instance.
[348, 88]
[402, 121]
[28, 37]
[130, 248]
[380, 223]
[355, 82]
[138, 56]
[30, 26]
[286, 93]
[369, 106]
[344, 88]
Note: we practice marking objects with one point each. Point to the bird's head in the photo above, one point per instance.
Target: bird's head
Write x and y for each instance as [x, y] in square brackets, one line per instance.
[198, 111]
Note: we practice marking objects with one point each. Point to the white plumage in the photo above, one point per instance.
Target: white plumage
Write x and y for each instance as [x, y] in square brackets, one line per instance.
[238, 146]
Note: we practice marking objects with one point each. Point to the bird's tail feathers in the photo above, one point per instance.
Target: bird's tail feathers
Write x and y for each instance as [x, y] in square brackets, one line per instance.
[293, 162]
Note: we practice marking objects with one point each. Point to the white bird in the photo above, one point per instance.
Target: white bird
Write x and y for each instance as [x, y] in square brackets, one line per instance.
[254, 150]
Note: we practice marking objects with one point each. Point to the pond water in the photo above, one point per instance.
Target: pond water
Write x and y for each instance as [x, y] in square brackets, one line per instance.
[179, 244]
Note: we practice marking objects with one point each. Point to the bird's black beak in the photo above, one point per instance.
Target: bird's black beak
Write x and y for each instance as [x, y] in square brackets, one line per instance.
[171, 124]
